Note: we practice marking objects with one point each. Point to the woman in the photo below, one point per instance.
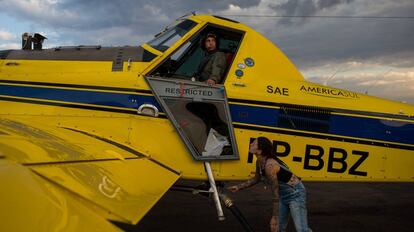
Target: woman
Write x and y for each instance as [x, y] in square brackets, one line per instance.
[288, 190]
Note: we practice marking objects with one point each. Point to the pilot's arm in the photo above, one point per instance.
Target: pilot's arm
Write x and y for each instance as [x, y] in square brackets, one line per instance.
[218, 67]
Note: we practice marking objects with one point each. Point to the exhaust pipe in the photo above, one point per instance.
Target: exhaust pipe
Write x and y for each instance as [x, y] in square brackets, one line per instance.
[34, 42]
[26, 41]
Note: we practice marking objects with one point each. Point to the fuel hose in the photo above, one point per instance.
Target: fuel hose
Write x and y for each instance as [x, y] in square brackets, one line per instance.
[226, 200]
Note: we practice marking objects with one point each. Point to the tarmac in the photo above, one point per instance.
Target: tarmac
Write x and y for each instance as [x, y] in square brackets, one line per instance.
[331, 207]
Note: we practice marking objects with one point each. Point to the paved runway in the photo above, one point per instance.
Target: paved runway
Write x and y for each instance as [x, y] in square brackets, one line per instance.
[332, 207]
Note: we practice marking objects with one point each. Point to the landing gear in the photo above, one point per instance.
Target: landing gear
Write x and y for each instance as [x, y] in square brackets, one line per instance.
[213, 189]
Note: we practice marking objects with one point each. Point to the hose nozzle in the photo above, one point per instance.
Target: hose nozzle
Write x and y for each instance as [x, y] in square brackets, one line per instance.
[226, 200]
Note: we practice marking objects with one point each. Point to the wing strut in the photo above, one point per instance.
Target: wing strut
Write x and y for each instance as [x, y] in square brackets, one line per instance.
[213, 188]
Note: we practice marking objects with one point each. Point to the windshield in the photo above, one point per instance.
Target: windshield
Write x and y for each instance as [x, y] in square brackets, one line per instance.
[167, 38]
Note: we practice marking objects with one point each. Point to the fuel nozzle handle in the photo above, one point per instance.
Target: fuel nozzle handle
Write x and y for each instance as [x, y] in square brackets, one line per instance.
[228, 202]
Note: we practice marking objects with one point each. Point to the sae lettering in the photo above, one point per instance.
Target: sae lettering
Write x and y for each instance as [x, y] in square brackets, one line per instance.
[277, 90]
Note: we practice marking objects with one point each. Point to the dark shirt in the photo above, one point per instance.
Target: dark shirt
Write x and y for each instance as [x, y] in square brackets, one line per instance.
[283, 175]
[212, 67]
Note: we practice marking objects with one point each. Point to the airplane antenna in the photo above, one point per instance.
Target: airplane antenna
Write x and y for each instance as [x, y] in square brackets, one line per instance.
[174, 23]
[325, 83]
[320, 16]
[366, 91]
[192, 13]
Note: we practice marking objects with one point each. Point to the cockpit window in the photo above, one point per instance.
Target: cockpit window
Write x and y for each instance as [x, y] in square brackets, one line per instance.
[168, 37]
[185, 61]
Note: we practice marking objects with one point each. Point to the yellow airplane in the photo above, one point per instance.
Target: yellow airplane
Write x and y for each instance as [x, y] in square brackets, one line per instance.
[91, 134]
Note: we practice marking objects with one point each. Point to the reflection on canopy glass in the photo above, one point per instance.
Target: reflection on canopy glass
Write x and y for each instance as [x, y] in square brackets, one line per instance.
[167, 38]
[204, 124]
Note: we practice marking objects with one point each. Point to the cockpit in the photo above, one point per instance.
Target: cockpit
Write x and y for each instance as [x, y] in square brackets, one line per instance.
[199, 112]
[183, 63]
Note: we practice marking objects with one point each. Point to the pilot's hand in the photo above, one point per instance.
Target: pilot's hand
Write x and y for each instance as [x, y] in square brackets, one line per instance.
[273, 224]
[210, 82]
[233, 188]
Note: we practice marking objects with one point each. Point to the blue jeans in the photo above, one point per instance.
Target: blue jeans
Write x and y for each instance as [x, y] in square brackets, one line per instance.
[293, 201]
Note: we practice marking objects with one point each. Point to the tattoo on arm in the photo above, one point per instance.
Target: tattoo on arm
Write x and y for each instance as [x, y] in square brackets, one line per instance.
[248, 183]
[271, 172]
[252, 181]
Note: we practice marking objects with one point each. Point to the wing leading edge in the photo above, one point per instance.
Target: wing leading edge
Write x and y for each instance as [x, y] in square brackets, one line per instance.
[52, 183]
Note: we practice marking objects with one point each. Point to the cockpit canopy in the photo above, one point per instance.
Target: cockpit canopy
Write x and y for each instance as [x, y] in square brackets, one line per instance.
[171, 34]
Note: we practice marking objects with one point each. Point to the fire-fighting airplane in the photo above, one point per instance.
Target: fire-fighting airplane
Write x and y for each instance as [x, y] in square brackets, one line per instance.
[91, 134]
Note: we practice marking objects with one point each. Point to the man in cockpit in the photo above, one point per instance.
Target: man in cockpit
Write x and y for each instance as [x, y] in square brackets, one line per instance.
[213, 64]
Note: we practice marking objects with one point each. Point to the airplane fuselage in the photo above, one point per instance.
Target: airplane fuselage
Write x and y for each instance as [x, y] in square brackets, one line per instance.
[322, 133]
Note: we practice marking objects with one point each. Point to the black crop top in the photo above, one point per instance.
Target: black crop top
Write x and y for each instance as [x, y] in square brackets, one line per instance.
[283, 175]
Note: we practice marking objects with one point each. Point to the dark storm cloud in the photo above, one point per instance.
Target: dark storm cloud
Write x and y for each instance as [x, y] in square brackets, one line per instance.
[314, 41]
[308, 42]
[355, 39]
[85, 21]
[318, 46]
[304, 8]
[96, 14]
[245, 3]
[322, 4]
[296, 7]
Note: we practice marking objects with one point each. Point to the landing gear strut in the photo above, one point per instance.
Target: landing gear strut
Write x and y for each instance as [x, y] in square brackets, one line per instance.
[213, 189]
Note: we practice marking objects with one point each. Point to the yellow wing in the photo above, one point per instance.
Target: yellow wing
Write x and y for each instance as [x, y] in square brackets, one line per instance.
[65, 179]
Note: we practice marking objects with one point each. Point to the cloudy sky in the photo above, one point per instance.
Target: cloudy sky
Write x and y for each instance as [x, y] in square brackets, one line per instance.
[364, 53]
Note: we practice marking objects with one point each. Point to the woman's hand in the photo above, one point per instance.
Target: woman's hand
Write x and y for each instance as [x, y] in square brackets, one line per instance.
[273, 224]
[233, 188]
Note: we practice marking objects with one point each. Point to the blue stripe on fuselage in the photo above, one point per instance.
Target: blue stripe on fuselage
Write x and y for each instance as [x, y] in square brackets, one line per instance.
[254, 115]
[122, 100]
[372, 128]
[352, 126]
[342, 125]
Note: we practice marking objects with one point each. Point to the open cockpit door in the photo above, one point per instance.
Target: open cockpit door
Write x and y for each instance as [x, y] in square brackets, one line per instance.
[200, 114]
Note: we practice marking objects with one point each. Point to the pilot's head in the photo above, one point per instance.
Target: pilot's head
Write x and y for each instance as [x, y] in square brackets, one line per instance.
[210, 42]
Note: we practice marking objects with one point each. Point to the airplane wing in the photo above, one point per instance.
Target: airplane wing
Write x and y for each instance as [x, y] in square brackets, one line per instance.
[66, 179]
